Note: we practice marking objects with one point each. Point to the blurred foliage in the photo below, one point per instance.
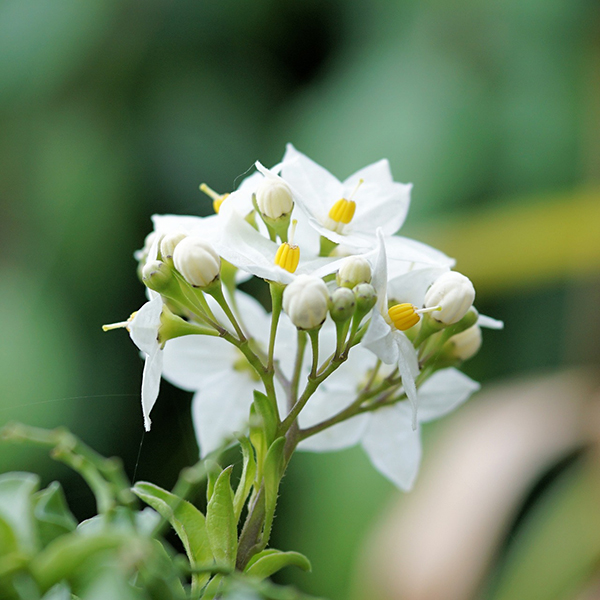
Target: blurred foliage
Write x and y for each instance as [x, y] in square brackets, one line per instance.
[113, 110]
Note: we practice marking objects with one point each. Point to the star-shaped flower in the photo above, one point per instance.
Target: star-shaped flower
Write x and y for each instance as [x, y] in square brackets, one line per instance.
[351, 211]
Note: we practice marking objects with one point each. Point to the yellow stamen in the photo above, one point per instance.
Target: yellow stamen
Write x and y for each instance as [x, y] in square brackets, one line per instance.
[287, 257]
[404, 316]
[342, 212]
[217, 199]
[121, 325]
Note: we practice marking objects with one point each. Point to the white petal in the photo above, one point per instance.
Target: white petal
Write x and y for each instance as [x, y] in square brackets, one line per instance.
[143, 328]
[256, 320]
[192, 360]
[405, 254]
[490, 323]
[151, 384]
[379, 339]
[443, 392]
[379, 278]
[408, 365]
[221, 409]
[247, 249]
[323, 405]
[412, 286]
[317, 188]
[392, 445]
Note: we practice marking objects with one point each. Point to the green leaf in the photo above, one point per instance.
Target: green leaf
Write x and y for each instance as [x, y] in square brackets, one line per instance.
[58, 592]
[247, 478]
[65, 555]
[52, 513]
[189, 524]
[213, 470]
[213, 588]
[270, 561]
[267, 416]
[16, 511]
[221, 524]
[273, 470]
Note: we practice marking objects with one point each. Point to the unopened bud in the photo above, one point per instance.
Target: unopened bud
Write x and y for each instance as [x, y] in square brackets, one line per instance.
[366, 297]
[354, 271]
[197, 261]
[454, 294]
[169, 242]
[342, 304]
[274, 197]
[466, 344]
[157, 276]
[305, 300]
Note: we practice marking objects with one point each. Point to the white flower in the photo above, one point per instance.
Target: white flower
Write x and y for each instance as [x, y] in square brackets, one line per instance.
[354, 270]
[466, 344]
[386, 434]
[143, 328]
[249, 250]
[384, 340]
[371, 199]
[219, 374]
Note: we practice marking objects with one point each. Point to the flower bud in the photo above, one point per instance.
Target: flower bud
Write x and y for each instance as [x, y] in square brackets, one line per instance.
[454, 293]
[354, 270]
[169, 242]
[342, 304]
[274, 198]
[157, 276]
[197, 261]
[366, 297]
[465, 344]
[305, 300]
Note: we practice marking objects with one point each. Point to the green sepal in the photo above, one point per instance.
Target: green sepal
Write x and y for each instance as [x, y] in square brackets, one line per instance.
[247, 478]
[52, 513]
[267, 562]
[272, 472]
[326, 246]
[187, 521]
[270, 229]
[221, 524]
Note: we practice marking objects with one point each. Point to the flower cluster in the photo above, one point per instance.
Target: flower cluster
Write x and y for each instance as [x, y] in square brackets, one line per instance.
[366, 329]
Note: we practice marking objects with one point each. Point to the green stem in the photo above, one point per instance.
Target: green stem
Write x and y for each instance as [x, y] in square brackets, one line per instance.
[276, 303]
[313, 334]
[216, 292]
[300, 348]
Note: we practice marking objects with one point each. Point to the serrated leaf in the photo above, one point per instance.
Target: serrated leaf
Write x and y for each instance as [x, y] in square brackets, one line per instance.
[247, 478]
[187, 521]
[16, 508]
[221, 524]
[52, 513]
[271, 561]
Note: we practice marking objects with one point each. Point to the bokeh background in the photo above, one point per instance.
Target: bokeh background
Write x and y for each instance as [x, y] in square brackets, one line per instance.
[113, 110]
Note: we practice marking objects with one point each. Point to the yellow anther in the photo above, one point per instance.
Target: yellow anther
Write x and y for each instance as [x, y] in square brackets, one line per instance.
[121, 325]
[404, 316]
[287, 257]
[217, 199]
[342, 211]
